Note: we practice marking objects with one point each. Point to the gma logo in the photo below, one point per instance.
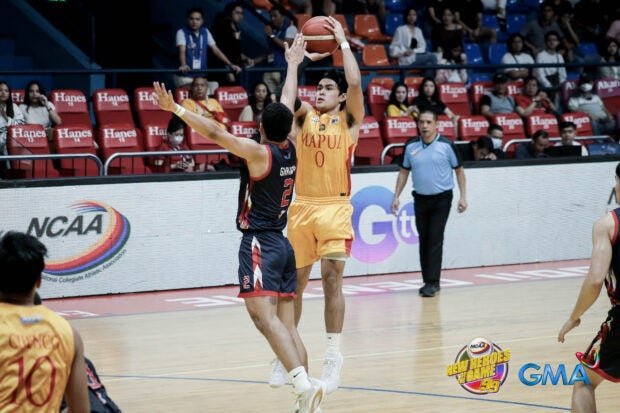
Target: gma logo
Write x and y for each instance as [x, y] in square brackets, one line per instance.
[528, 374]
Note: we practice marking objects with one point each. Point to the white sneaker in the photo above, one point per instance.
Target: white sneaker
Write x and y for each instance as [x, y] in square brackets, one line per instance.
[278, 375]
[310, 400]
[331, 371]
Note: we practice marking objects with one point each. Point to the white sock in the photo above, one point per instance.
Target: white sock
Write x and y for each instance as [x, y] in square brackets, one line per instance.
[299, 377]
[333, 343]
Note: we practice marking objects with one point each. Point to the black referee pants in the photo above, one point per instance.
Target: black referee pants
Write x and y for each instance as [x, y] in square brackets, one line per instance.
[431, 216]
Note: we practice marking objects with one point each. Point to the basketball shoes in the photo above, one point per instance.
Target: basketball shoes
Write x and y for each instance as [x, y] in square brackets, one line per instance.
[278, 375]
[331, 371]
[310, 400]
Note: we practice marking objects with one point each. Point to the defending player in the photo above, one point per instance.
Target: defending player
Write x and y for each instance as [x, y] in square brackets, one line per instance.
[602, 358]
[41, 355]
[267, 274]
[320, 217]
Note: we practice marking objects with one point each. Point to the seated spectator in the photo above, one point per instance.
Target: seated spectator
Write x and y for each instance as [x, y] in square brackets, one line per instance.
[497, 101]
[10, 115]
[603, 122]
[535, 148]
[611, 55]
[279, 32]
[535, 30]
[259, 99]
[514, 55]
[37, 109]
[398, 105]
[590, 20]
[428, 99]
[561, 7]
[568, 132]
[199, 102]
[468, 13]
[174, 140]
[499, 6]
[532, 99]
[479, 150]
[550, 78]
[496, 133]
[376, 7]
[448, 33]
[453, 56]
[408, 44]
[569, 43]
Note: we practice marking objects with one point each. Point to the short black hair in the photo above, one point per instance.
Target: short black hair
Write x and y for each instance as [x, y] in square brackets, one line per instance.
[22, 259]
[277, 121]
[539, 134]
[175, 124]
[484, 142]
[429, 112]
[567, 124]
[494, 126]
[195, 9]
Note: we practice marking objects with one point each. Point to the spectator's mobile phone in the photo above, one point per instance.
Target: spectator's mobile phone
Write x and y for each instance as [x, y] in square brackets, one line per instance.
[414, 43]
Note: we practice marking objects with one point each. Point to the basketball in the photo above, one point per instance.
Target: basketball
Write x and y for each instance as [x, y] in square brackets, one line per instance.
[318, 38]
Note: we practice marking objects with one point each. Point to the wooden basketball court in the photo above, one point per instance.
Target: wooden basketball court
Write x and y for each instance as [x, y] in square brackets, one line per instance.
[198, 351]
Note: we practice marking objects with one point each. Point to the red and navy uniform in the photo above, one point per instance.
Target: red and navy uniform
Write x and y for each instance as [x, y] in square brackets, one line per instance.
[603, 355]
[266, 258]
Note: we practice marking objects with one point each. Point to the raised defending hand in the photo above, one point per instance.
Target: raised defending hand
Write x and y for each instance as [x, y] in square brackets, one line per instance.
[294, 53]
[568, 326]
[163, 97]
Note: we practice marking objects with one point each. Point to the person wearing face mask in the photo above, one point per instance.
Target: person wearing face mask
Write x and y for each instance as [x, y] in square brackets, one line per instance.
[174, 140]
[603, 122]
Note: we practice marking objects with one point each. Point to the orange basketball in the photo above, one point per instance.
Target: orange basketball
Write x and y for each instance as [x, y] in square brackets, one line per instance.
[318, 38]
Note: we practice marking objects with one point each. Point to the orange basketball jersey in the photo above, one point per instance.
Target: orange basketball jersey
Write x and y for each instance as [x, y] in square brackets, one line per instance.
[36, 353]
[324, 153]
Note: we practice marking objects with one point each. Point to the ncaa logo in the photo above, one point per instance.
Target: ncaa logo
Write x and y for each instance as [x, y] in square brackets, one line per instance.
[377, 232]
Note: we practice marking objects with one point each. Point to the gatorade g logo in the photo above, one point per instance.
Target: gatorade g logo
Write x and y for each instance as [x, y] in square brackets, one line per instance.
[377, 231]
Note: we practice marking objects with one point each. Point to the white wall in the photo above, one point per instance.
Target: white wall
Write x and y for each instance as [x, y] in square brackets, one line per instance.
[181, 234]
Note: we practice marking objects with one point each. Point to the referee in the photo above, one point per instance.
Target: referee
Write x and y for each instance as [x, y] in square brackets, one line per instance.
[431, 158]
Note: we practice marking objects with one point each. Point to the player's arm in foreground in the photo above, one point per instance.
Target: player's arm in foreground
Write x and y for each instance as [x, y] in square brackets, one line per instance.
[76, 392]
[599, 266]
[294, 55]
[256, 155]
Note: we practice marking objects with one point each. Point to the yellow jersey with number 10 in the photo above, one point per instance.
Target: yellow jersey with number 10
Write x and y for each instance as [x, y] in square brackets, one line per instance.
[324, 153]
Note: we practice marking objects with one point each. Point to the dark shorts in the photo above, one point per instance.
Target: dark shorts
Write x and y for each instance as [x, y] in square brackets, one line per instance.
[266, 265]
[603, 355]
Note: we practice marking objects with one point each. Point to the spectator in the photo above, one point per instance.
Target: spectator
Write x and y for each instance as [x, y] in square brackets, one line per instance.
[453, 56]
[278, 33]
[514, 55]
[532, 99]
[496, 133]
[192, 43]
[611, 55]
[435, 11]
[590, 20]
[408, 43]
[570, 42]
[535, 148]
[448, 33]
[500, 7]
[497, 101]
[428, 99]
[198, 102]
[227, 35]
[602, 120]
[174, 140]
[10, 115]
[535, 30]
[568, 132]
[550, 78]
[468, 13]
[259, 99]
[478, 150]
[561, 7]
[298, 6]
[397, 105]
[37, 109]
[324, 7]
[613, 31]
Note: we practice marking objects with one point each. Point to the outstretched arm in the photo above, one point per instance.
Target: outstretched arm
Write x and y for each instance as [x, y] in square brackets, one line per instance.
[294, 55]
[599, 267]
[257, 155]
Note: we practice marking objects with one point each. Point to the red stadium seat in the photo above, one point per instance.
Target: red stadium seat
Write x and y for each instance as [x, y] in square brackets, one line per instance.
[397, 130]
[232, 99]
[413, 85]
[376, 55]
[445, 127]
[72, 106]
[454, 96]
[243, 129]
[121, 138]
[369, 144]
[18, 96]
[147, 111]
[609, 92]
[111, 107]
[153, 136]
[307, 93]
[377, 98]
[383, 81]
[581, 120]
[367, 27]
[181, 93]
[477, 90]
[470, 128]
[74, 139]
[512, 124]
[567, 89]
[544, 121]
[514, 88]
[198, 142]
[29, 139]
